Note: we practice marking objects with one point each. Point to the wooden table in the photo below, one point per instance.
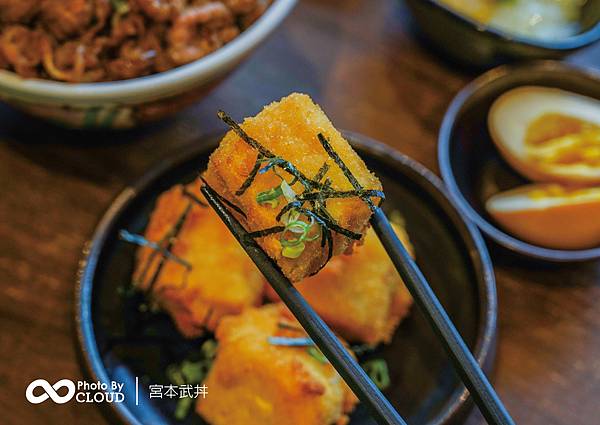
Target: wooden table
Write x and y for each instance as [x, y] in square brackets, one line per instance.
[360, 60]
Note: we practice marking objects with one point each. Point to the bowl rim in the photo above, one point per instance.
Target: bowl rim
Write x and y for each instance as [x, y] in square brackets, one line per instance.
[484, 349]
[485, 345]
[156, 85]
[445, 136]
[569, 43]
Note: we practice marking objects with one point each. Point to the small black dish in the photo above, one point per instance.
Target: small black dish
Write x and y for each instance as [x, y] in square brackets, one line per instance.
[472, 43]
[120, 343]
[470, 163]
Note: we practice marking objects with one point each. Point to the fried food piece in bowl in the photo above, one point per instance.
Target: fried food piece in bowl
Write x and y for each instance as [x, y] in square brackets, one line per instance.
[290, 155]
[221, 279]
[361, 296]
[255, 381]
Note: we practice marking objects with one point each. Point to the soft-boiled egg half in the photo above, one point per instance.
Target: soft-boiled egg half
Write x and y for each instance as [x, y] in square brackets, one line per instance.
[550, 215]
[548, 134]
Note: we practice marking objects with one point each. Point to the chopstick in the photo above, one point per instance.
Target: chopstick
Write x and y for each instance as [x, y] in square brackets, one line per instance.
[481, 390]
[356, 378]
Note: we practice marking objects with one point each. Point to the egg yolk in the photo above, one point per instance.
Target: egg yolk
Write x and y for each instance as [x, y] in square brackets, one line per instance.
[557, 139]
[549, 191]
[480, 10]
[557, 191]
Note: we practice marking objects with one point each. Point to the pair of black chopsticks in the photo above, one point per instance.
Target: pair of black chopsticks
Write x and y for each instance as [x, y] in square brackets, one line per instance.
[473, 377]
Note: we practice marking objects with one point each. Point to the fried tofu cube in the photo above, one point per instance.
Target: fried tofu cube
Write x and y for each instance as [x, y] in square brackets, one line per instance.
[222, 281]
[289, 130]
[253, 382]
[361, 296]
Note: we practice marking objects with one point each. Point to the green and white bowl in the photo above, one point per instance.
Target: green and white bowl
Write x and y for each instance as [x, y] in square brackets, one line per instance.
[129, 103]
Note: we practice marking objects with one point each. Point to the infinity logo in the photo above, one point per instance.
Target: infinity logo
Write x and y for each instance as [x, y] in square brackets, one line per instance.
[50, 391]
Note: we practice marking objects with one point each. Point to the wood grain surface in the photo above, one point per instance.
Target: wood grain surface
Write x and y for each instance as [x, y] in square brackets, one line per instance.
[362, 61]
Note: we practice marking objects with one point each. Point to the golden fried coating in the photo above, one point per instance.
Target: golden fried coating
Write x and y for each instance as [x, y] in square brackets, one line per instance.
[222, 281]
[254, 382]
[361, 296]
[289, 130]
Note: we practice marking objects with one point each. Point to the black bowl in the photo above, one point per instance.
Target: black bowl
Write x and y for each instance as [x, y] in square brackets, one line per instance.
[118, 342]
[470, 42]
[472, 167]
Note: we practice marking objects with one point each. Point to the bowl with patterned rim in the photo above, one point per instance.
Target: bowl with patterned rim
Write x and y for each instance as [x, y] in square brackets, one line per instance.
[129, 103]
[118, 342]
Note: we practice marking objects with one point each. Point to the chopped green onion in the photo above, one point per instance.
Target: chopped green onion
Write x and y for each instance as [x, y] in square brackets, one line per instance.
[174, 375]
[294, 247]
[270, 197]
[287, 191]
[209, 349]
[182, 408]
[317, 354]
[121, 6]
[191, 372]
[291, 247]
[298, 227]
[188, 372]
[126, 290]
[291, 216]
[378, 371]
[294, 251]
[194, 372]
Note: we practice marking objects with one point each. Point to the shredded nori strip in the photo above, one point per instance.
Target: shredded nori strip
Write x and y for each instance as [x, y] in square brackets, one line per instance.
[208, 316]
[170, 238]
[321, 209]
[289, 326]
[326, 239]
[340, 163]
[313, 196]
[288, 207]
[329, 224]
[266, 232]
[194, 198]
[243, 135]
[292, 170]
[322, 171]
[318, 177]
[251, 176]
[315, 192]
[226, 201]
[282, 163]
[362, 349]
[336, 158]
[139, 240]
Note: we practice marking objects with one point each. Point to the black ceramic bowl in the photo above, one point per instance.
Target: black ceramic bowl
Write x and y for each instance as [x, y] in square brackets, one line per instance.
[471, 166]
[470, 42]
[119, 343]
